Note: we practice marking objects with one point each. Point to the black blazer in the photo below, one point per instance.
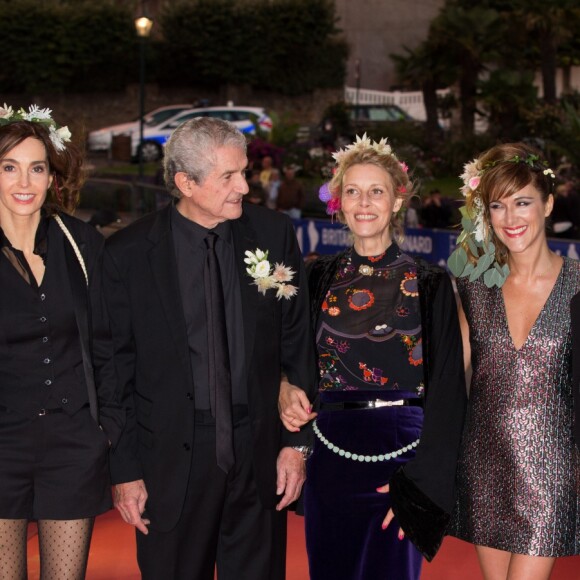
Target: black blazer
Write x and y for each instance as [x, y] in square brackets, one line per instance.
[152, 356]
[96, 345]
[575, 316]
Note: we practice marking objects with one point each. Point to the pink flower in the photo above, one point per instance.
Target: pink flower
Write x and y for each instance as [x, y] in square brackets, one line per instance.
[404, 167]
[402, 189]
[333, 206]
[282, 273]
[474, 182]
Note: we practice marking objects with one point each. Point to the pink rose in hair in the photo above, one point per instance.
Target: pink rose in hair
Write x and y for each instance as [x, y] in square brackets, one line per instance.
[474, 182]
[333, 206]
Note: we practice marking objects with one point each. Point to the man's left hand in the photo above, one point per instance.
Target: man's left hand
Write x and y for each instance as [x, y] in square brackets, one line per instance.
[291, 469]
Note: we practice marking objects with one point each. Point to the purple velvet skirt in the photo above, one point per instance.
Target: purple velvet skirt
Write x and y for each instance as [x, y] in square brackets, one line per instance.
[342, 508]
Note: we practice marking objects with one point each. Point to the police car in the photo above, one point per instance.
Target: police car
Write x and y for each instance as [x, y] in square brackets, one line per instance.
[246, 119]
[101, 139]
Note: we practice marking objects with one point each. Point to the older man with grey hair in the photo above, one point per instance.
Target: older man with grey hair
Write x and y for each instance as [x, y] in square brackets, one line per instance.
[209, 312]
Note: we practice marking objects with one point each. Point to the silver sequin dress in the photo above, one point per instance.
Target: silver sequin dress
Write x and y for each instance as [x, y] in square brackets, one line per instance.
[519, 472]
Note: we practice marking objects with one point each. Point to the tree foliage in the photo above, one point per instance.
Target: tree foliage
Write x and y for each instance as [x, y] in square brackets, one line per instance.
[491, 50]
[290, 46]
[53, 48]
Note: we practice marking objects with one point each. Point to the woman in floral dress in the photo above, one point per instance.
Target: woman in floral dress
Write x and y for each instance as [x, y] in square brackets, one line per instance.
[391, 386]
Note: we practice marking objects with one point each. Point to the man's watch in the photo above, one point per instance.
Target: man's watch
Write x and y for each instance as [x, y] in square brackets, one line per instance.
[305, 450]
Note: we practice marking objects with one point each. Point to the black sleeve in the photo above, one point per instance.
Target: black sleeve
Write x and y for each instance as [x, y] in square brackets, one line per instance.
[423, 492]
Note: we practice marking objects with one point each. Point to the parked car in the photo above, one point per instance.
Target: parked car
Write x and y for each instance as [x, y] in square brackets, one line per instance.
[156, 130]
[342, 122]
[246, 119]
[101, 139]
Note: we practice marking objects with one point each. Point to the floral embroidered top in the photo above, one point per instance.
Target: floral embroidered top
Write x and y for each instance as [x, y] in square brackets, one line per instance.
[369, 332]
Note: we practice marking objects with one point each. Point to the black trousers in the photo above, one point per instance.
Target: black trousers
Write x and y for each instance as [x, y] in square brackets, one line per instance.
[222, 523]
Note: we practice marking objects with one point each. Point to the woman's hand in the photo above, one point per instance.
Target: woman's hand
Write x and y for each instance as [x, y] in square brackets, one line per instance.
[294, 407]
[390, 515]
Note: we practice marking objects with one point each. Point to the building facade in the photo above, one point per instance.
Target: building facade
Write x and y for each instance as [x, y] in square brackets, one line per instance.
[375, 29]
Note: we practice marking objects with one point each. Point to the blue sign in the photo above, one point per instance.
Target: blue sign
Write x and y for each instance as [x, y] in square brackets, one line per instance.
[435, 246]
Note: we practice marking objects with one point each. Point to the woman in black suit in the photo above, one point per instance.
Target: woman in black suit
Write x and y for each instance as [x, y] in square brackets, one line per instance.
[54, 353]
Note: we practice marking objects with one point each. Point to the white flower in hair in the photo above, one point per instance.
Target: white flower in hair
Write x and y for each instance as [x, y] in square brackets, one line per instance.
[64, 133]
[35, 113]
[362, 144]
[56, 137]
[6, 112]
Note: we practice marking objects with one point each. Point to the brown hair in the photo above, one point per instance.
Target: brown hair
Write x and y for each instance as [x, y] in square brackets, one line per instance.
[65, 166]
[506, 169]
[402, 185]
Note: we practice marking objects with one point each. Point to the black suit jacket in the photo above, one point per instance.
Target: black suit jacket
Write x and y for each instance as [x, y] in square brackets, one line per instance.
[153, 364]
[575, 314]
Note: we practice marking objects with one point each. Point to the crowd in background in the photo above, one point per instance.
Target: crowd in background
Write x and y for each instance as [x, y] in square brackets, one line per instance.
[283, 189]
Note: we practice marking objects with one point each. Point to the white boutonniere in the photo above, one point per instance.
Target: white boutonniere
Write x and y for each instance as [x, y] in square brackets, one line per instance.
[267, 276]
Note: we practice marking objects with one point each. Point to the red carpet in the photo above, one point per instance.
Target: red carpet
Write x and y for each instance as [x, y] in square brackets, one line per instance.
[113, 556]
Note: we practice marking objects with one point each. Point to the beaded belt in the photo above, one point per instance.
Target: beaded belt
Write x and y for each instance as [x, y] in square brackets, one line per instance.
[357, 456]
[374, 404]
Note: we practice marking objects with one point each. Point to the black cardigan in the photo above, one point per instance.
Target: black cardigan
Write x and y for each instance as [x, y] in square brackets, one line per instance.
[423, 491]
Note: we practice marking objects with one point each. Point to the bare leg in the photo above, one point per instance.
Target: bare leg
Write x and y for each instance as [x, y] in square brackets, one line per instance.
[501, 565]
[494, 563]
[64, 548]
[530, 567]
[13, 549]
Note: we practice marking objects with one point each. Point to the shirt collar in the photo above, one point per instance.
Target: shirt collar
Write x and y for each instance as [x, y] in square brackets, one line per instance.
[194, 233]
[40, 238]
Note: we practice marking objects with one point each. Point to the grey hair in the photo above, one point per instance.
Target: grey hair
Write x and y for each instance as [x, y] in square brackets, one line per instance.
[191, 147]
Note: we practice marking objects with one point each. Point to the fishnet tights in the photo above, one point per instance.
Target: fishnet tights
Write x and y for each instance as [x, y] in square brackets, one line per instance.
[13, 549]
[64, 548]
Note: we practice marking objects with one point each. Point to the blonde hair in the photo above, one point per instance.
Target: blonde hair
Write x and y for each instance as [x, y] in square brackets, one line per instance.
[380, 155]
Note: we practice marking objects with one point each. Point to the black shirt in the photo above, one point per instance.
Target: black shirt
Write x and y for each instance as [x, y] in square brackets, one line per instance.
[190, 252]
[40, 355]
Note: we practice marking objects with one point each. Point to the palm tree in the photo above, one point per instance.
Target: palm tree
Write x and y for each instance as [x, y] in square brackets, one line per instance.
[553, 23]
[424, 68]
[472, 39]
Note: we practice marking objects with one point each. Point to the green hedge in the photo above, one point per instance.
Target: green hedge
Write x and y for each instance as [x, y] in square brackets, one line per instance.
[54, 48]
[288, 46]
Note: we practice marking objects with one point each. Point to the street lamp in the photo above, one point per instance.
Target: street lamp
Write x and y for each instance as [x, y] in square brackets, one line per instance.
[143, 27]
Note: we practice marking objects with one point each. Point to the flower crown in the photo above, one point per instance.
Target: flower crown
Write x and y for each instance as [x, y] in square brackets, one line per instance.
[58, 135]
[360, 145]
[475, 230]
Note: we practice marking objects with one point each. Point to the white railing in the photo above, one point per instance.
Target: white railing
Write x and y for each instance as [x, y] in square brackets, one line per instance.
[411, 101]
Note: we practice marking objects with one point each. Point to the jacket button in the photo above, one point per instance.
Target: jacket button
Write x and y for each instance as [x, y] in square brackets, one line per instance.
[64, 401]
[189, 396]
[186, 446]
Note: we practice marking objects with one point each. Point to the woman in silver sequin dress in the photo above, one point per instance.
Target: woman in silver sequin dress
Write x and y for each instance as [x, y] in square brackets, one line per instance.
[519, 477]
